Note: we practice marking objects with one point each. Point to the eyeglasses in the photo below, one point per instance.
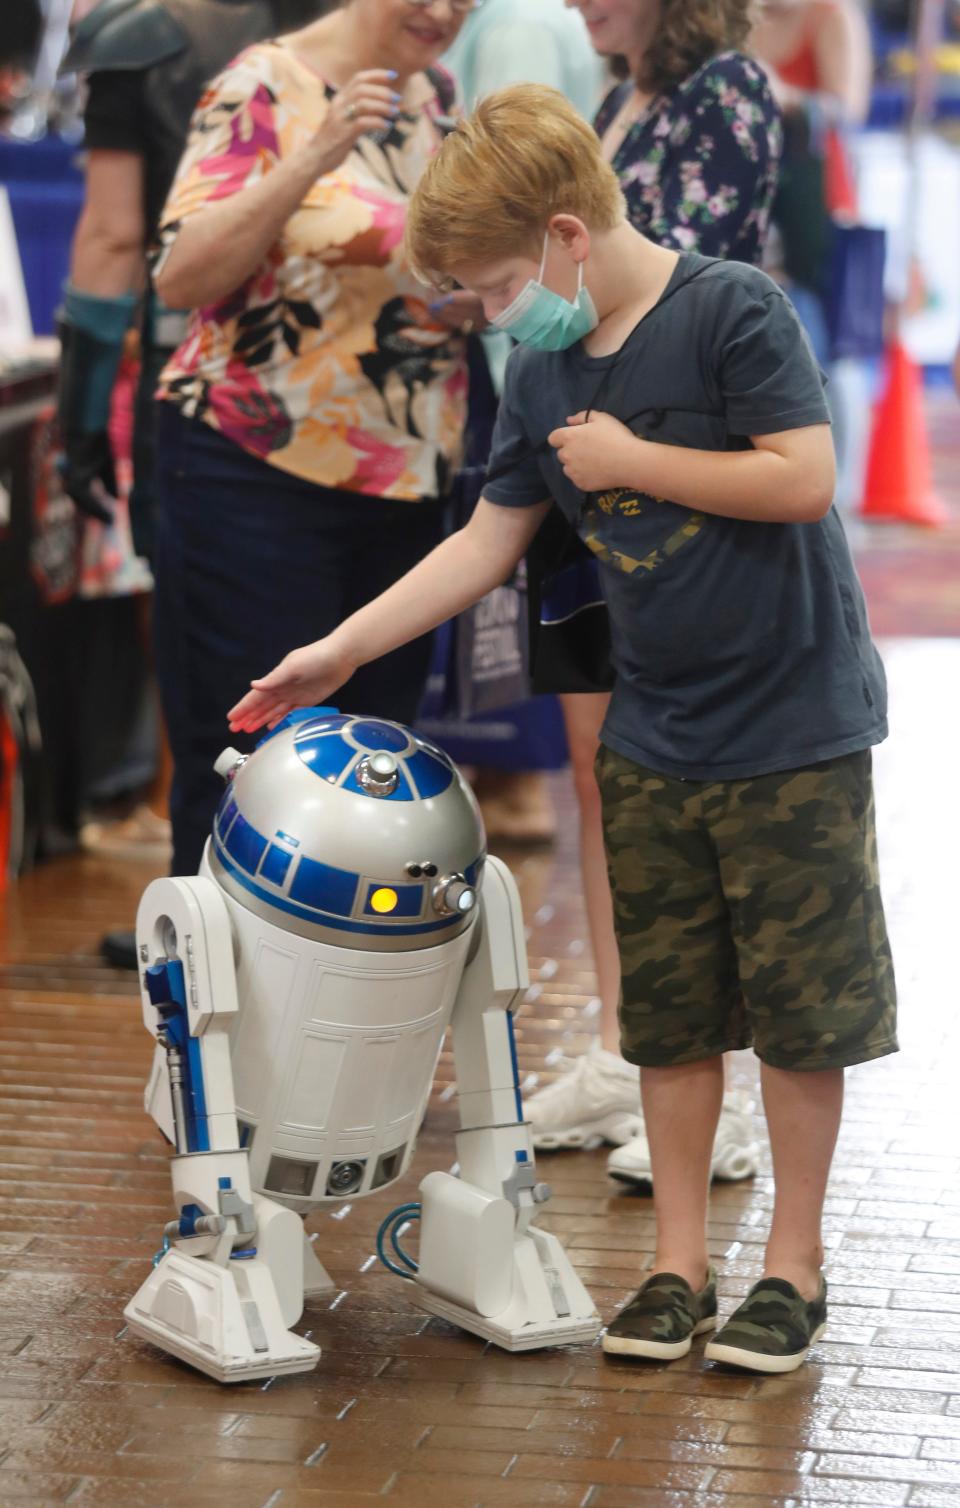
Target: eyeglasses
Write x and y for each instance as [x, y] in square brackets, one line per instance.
[460, 6]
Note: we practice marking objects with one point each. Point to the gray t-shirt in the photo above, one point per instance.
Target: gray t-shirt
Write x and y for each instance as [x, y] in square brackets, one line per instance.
[740, 648]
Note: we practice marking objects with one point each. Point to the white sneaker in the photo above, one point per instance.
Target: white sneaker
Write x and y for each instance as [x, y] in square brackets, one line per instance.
[735, 1151]
[598, 1098]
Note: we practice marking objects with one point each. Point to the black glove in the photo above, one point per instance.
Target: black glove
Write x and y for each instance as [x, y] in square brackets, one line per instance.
[88, 367]
[84, 461]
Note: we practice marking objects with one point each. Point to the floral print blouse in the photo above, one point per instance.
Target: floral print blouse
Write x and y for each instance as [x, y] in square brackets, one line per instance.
[699, 168]
[326, 362]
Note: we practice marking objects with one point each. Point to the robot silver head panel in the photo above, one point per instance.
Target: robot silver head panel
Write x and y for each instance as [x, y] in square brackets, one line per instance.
[349, 830]
[349, 852]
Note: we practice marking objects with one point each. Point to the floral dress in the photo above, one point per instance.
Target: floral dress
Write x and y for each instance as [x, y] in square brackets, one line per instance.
[699, 168]
[326, 362]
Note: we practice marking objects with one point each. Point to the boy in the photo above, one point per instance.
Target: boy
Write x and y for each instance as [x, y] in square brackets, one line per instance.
[670, 407]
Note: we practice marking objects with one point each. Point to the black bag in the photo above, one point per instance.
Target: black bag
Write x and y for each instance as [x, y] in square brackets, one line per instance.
[569, 621]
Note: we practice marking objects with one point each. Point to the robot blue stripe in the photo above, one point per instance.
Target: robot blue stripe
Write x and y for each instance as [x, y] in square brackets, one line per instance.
[324, 919]
[431, 776]
[374, 735]
[325, 754]
[245, 844]
[516, 1067]
[197, 1094]
[276, 862]
[318, 720]
[314, 718]
[198, 1134]
[228, 810]
[323, 887]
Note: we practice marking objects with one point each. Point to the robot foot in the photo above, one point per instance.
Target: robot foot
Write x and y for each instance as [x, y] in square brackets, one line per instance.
[515, 1288]
[530, 1337]
[224, 1321]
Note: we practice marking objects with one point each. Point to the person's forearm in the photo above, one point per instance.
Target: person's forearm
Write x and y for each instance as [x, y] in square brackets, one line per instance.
[219, 247]
[757, 485]
[106, 262]
[451, 578]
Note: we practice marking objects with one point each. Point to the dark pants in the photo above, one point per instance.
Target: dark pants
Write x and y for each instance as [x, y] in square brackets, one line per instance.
[143, 494]
[250, 563]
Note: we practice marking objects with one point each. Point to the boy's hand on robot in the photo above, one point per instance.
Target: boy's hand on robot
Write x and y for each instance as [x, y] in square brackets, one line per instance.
[597, 451]
[304, 678]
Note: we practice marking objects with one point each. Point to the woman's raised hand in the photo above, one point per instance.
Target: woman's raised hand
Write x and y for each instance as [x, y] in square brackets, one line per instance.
[368, 102]
[304, 678]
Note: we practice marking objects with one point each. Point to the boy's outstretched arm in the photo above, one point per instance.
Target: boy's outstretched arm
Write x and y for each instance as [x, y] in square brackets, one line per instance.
[452, 577]
[788, 477]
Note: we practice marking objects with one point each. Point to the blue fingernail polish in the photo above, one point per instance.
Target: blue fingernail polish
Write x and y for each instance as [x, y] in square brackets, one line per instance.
[397, 97]
[392, 73]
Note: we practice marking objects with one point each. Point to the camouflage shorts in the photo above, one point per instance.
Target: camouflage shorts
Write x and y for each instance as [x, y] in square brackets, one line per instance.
[748, 912]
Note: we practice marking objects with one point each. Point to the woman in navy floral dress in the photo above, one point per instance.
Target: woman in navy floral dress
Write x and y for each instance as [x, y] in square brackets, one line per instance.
[694, 136]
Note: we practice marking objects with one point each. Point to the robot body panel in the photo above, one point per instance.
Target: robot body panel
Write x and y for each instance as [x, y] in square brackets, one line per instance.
[333, 1052]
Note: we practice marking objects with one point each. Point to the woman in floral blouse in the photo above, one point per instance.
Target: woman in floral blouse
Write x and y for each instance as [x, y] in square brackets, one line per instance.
[694, 136]
[312, 417]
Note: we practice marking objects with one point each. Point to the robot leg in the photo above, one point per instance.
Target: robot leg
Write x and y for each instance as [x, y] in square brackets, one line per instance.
[483, 1264]
[229, 1279]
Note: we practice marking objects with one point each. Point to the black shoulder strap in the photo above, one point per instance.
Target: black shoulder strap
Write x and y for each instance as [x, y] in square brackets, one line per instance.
[526, 451]
[124, 36]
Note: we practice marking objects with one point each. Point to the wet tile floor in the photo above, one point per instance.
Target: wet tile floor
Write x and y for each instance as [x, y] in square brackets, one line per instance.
[408, 1410]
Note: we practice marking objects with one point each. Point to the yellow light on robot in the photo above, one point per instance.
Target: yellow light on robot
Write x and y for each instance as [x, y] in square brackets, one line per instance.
[384, 900]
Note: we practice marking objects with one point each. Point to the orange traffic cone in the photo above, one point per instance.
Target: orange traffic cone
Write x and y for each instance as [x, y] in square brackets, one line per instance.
[898, 484]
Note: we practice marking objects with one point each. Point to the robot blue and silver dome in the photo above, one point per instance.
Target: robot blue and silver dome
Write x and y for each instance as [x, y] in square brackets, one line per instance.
[298, 990]
[348, 829]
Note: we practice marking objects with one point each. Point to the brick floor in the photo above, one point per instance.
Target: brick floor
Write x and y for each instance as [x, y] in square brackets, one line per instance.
[405, 1409]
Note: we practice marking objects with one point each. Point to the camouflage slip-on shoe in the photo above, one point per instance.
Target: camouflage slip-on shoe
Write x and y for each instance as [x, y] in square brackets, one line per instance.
[661, 1320]
[772, 1330]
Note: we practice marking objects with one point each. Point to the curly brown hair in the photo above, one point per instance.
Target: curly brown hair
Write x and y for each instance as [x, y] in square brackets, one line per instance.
[690, 32]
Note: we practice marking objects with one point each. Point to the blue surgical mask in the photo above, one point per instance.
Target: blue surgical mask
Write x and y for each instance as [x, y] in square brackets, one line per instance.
[543, 319]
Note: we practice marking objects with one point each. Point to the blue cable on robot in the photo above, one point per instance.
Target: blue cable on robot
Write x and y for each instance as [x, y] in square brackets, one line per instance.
[298, 990]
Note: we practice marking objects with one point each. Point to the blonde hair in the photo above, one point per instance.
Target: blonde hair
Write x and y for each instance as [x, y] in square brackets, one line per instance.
[524, 155]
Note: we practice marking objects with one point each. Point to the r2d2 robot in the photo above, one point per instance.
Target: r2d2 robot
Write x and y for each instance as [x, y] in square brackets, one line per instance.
[298, 990]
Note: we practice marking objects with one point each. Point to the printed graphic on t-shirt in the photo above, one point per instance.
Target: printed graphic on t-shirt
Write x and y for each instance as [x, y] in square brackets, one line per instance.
[628, 503]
